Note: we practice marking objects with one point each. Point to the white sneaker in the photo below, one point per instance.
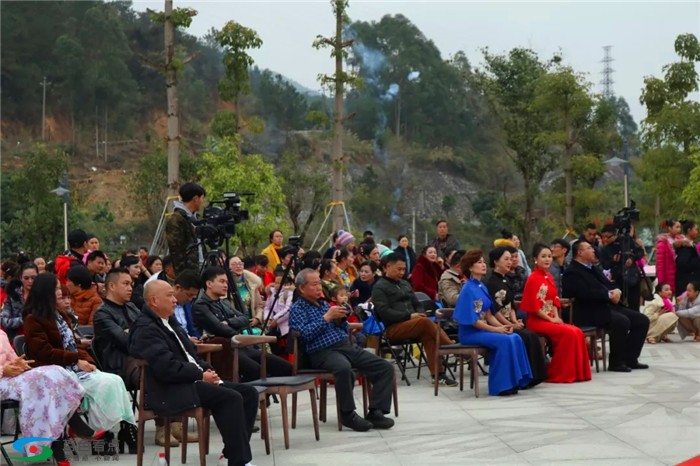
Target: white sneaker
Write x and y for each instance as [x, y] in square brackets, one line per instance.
[223, 461]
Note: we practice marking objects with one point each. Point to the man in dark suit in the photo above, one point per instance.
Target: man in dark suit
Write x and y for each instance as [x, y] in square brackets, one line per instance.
[597, 304]
[178, 379]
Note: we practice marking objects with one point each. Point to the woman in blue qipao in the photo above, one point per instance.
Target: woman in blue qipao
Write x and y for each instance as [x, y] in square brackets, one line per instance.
[509, 367]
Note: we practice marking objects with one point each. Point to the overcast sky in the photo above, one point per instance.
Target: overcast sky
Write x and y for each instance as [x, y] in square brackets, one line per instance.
[641, 33]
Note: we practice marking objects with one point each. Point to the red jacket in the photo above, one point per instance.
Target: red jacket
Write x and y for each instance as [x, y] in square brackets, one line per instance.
[425, 277]
[64, 262]
[665, 261]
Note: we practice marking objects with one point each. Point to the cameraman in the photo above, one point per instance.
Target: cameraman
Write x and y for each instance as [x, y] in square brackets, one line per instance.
[620, 254]
[180, 232]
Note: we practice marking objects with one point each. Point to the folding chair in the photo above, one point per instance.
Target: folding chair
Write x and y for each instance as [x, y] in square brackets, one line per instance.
[402, 356]
[13, 405]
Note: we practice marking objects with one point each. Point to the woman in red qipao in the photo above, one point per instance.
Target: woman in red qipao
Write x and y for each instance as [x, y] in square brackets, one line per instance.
[570, 360]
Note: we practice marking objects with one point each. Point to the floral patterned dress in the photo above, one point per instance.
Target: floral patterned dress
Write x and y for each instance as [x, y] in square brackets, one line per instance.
[48, 395]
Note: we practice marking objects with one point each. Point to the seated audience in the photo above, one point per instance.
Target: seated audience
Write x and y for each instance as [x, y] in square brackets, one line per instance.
[134, 267]
[168, 273]
[11, 319]
[560, 249]
[517, 275]
[96, 262]
[329, 276]
[450, 283]
[597, 305]
[272, 251]
[688, 312]
[50, 341]
[154, 264]
[361, 289]
[40, 263]
[426, 273]
[503, 309]
[178, 379]
[187, 286]
[397, 307]
[661, 313]
[347, 273]
[48, 396]
[570, 362]
[78, 244]
[218, 321]
[278, 316]
[84, 297]
[248, 285]
[444, 242]
[509, 369]
[324, 333]
[409, 255]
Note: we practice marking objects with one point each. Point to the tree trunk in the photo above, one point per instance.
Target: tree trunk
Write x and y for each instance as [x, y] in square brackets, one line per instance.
[337, 151]
[398, 115]
[529, 203]
[569, 182]
[173, 136]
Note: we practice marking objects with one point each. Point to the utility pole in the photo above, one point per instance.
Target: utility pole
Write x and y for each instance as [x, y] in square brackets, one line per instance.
[43, 84]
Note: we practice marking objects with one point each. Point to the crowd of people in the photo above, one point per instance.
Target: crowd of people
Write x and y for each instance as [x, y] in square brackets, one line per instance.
[142, 306]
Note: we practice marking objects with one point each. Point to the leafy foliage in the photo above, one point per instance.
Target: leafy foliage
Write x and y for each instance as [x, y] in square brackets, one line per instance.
[32, 216]
[223, 168]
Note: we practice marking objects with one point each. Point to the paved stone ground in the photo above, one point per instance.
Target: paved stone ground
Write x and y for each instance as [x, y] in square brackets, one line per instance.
[647, 417]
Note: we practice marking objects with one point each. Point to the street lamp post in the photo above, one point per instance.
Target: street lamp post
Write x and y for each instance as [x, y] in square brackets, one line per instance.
[63, 192]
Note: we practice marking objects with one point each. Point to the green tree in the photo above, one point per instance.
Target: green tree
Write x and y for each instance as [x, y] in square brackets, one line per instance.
[306, 188]
[236, 40]
[32, 217]
[671, 130]
[564, 101]
[223, 168]
[148, 184]
[509, 83]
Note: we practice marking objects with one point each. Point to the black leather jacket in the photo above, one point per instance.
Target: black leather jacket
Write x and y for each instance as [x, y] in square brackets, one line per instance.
[217, 317]
[111, 341]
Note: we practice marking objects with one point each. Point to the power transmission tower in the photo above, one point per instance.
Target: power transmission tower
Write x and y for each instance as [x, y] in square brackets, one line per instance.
[608, 71]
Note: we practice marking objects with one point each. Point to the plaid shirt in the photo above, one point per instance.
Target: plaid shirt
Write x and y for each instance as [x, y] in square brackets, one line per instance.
[307, 319]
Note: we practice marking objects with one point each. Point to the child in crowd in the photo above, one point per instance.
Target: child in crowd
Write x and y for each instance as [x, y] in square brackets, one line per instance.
[278, 322]
[661, 314]
[339, 297]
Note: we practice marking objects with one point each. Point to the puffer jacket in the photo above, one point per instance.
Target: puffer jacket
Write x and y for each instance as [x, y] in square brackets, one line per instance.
[665, 261]
[84, 304]
[11, 316]
[394, 301]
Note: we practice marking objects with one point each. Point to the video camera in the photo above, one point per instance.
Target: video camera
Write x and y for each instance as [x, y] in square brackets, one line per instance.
[625, 217]
[219, 222]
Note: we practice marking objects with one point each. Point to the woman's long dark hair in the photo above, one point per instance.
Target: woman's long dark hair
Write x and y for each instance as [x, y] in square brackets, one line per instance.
[41, 302]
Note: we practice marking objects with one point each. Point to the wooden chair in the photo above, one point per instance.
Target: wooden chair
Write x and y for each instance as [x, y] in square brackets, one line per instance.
[281, 386]
[200, 414]
[459, 350]
[593, 334]
[9, 404]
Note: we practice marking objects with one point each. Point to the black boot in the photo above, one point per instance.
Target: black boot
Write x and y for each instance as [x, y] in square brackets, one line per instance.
[127, 435]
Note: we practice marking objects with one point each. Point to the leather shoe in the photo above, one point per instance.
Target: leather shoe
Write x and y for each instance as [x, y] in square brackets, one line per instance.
[378, 420]
[638, 365]
[355, 422]
[619, 368]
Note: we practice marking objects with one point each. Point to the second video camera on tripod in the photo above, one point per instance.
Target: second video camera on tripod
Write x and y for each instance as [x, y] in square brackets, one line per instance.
[219, 221]
[625, 218]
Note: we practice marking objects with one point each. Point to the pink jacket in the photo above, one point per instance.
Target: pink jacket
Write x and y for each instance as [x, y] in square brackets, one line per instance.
[666, 261]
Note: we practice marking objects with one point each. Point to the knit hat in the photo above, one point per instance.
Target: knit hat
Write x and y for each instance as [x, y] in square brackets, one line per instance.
[503, 242]
[344, 238]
